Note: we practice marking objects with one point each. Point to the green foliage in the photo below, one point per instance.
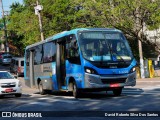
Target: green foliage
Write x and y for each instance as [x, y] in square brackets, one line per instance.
[61, 15]
[16, 7]
[24, 23]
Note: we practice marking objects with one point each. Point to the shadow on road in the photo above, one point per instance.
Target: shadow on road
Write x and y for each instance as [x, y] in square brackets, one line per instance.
[97, 95]
[91, 95]
[13, 96]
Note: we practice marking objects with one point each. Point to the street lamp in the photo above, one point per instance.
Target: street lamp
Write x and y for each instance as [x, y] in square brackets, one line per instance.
[38, 8]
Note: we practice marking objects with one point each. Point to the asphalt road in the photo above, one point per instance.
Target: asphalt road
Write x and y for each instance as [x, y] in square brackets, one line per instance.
[144, 97]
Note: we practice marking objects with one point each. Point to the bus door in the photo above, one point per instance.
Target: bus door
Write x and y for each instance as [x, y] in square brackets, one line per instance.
[60, 64]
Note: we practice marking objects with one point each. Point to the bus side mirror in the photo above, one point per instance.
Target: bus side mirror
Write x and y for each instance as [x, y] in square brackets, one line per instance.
[74, 44]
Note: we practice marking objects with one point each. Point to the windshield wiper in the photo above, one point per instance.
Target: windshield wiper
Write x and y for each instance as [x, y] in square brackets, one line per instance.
[111, 52]
[119, 56]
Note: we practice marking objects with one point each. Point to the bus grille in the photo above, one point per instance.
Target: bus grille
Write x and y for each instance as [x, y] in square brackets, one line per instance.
[111, 81]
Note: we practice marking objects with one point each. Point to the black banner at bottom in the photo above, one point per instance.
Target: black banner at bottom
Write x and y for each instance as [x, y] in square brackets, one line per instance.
[38, 114]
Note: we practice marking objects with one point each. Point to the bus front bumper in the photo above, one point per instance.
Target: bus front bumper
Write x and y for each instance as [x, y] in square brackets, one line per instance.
[109, 81]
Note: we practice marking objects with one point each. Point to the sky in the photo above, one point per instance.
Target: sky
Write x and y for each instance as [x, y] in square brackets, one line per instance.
[6, 5]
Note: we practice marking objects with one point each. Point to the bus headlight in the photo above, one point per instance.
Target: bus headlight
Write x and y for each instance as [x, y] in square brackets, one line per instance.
[90, 70]
[133, 69]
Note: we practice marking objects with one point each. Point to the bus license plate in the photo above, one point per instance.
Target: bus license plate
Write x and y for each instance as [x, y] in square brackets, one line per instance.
[115, 85]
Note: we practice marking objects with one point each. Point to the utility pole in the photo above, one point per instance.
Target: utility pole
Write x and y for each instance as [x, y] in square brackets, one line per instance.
[5, 28]
[138, 29]
[141, 59]
[38, 8]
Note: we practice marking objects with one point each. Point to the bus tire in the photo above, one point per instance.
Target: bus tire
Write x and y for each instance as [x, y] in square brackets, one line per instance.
[76, 92]
[41, 90]
[117, 92]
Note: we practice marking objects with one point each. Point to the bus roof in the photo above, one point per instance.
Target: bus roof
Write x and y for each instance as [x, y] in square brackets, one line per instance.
[74, 31]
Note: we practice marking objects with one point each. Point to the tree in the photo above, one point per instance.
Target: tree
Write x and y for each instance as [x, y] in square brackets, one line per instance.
[130, 16]
[23, 26]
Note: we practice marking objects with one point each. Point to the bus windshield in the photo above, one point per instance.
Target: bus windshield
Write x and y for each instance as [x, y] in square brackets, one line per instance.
[104, 46]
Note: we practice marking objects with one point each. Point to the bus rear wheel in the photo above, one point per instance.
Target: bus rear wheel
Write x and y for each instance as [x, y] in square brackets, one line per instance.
[76, 92]
[117, 92]
[41, 90]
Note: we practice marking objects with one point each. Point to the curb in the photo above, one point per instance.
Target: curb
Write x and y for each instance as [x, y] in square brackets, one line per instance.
[156, 78]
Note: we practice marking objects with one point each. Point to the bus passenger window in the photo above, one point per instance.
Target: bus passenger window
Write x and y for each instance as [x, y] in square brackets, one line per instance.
[49, 54]
[38, 55]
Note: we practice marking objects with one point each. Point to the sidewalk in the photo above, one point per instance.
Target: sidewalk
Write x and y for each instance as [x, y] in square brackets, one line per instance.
[149, 79]
[25, 89]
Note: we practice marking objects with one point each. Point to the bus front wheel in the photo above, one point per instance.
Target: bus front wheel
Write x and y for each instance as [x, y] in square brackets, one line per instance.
[76, 92]
[117, 92]
[18, 95]
[41, 90]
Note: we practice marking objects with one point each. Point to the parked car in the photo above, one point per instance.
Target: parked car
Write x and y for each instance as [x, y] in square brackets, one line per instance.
[9, 85]
[1, 53]
[17, 66]
[6, 59]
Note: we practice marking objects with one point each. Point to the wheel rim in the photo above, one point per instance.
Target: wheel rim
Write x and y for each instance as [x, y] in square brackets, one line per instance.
[74, 90]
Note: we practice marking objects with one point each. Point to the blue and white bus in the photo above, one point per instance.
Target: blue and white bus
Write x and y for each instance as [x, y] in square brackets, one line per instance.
[83, 59]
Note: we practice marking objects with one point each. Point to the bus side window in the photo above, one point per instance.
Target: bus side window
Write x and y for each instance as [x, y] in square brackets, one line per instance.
[49, 52]
[38, 55]
[72, 50]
